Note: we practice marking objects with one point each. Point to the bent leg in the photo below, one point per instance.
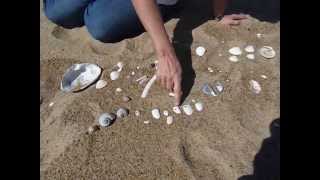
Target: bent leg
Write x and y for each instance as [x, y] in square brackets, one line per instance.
[66, 13]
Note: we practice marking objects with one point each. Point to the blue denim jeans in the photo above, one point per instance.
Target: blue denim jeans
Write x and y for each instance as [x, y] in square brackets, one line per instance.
[108, 21]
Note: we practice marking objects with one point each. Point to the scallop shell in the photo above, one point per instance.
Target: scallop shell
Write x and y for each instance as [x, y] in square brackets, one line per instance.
[122, 112]
[267, 52]
[249, 49]
[176, 110]
[235, 51]
[79, 76]
[106, 119]
[169, 120]
[255, 86]
[101, 84]
[155, 113]
[114, 75]
[200, 51]
[199, 106]
[187, 109]
[233, 59]
[166, 113]
[250, 56]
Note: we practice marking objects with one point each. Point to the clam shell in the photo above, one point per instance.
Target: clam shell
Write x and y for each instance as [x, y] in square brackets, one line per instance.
[249, 49]
[122, 112]
[199, 106]
[233, 59]
[267, 52]
[79, 76]
[235, 51]
[255, 86]
[155, 113]
[169, 120]
[114, 75]
[250, 56]
[187, 109]
[101, 84]
[200, 51]
[106, 119]
[176, 110]
[166, 113]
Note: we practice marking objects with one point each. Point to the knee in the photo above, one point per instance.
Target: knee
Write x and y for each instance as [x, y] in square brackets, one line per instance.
[59, 18]
[104, 32]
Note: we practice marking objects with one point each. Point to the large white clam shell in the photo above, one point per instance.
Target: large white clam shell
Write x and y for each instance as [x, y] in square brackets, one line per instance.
[235, 51]
[79, 76]
[200, 51]
[101, 84]
[114, 75]
[255, 86]
[187, 109]
[267, 52]
[155, 113]
[106, 119]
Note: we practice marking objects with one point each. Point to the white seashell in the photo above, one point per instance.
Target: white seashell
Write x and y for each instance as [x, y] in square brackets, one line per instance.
[259, 35]
[155, 113]
[148, 86]
[171, 94]
[146, 122]
[114, 75]
[106, 119]
[51, 104]
[133, 73]
[193, 100]
[166, 113]
[118, 90]
[126, 98]
[233, 59]
[101, 84]
[141, 78]
[235, 51]
[210, 69]
[267, 52]
[137, 113]
[250, 56]
[176, 110]
[122, 112]
[255, 86]
[187, 109]
[199, 106]
[218, 87]
[264, 76]
[120, 66]
[208, 90]
[79, 76]
[92, 129]
[249, 49]
[138, 67]
[200, 51]
[169, 120]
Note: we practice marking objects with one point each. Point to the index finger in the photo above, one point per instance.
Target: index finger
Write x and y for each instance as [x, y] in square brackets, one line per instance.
[177, 91]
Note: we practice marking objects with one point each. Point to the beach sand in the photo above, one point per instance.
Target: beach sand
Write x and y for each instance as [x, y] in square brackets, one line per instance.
[219, 143]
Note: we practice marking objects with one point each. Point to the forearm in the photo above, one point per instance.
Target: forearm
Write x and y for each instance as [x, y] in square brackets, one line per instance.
[151, 19]
[219, 7]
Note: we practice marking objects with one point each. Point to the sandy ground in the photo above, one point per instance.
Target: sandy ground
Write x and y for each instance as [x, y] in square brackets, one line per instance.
[220, 143]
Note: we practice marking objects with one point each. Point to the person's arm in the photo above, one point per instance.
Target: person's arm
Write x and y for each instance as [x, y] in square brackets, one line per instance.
[169, 69]
[219, 7]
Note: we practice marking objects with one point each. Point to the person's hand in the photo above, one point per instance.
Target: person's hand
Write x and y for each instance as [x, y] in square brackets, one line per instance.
[233, 19]
[169, 73]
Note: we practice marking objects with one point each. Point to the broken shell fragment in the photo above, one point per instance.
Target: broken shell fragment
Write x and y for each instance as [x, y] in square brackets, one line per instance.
[264, 76]
[176, 110]
[106, 119]
[169, 120]
[187, 109]
[255, 86]
[148, 86]
[146, 122]
[92, 129]
[199, 106]
[166, 113]
[214, 90]
[267, 52]
[233, 59]
[120, 66]
[101, 84]
[155, 113]
[235, 51]
[250, 56]
[249, 49]
[51, 104]
[200, 51]
[122, 112]
[114, 75]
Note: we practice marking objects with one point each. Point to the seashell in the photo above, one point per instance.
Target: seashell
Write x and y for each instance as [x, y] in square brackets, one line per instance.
[218, 87]
[155, 113]
[122, 112]
[141, 78]
[169, 120]
[208, 90]
[138, 67]
[92, 129]
[120, 66]
[126, 98]
[200, 51]
[148, 86]
[210, 69]
[199, 106]
[166, 113]
[233, 59]
[114, 75]
[249, 49]
[171, 94]
[137, 113]
[187, 109]
[176, 110]
[51, 104]
[255, 86]
[101, 84]
[267, 52]
[250, 56]
[79, 76]
[106, 119]
[264, 76]
[259, 35]
[146, 122]
[133, 73]
[235, 51]
[193, 100]
[118, 90]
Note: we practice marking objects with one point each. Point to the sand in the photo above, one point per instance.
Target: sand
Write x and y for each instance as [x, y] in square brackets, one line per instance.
[219, 143]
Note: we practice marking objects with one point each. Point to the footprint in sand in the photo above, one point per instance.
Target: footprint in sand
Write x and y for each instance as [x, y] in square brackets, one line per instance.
[61, 33]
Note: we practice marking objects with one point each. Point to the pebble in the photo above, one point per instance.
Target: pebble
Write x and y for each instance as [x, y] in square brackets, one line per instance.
[259, 35]
[138, 67]
[249, 49]
[126, 98]
[187, 109]
[264, 76]
[199, 106]
[169, 120]
[133, 73]
[114, 75]
[118, 90]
